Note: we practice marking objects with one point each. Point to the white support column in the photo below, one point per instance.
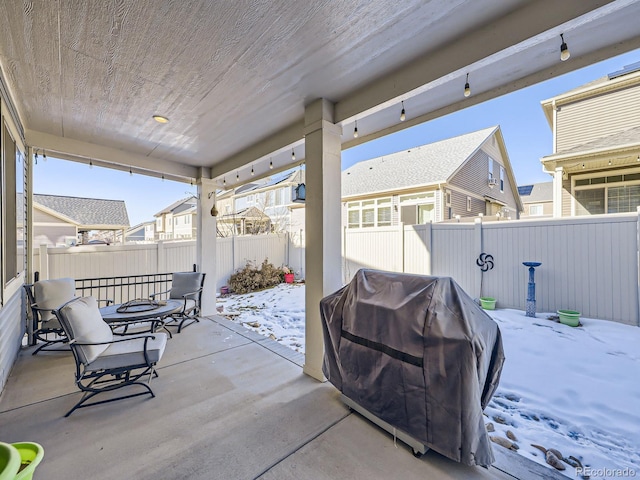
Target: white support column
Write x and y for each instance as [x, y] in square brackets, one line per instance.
[206, 244]
[323, 225]
[557, 192]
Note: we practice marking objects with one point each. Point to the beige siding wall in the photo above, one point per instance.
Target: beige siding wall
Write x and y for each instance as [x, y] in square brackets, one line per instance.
[547, 209]
[586, 120]
[474, 175]
[42, 217]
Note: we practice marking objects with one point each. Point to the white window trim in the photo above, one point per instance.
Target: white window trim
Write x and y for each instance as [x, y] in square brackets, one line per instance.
[540, 205]
[605, 185]
[468, 204]
[376, 206]
[501, 179]
[490, 167]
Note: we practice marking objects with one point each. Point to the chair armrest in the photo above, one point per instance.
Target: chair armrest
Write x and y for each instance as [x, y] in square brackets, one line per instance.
[153, 295]
[188, 294]
[89, 344]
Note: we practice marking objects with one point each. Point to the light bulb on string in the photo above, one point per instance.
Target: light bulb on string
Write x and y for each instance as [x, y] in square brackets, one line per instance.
[237, 176]
[293, 154]
[36, 158]
[44, 155]
[355, 130]
[270, 164]
[564, 49]
[467, 88]
[402, 113]
[130, 172]
[90, 163]
[224, 182]
[252, 173]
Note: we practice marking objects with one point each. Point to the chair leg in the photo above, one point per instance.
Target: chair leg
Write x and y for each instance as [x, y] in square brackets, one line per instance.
[89, 395]
[193, 320]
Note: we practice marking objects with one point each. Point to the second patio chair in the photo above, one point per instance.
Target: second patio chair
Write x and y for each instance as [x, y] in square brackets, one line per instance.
[44, 297]
[186, 286]
[104, 364]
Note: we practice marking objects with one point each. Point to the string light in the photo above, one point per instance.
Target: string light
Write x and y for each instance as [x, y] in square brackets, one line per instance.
[270, 164]
[402, 114]
[355, 130]
[163, 178]
[564, 50]
[224, 181]
[90, 163]
[36, 158]
[293, 154]
[44, 155]
[467, 88]
[130, 172]
[237, 176]
[252, 170]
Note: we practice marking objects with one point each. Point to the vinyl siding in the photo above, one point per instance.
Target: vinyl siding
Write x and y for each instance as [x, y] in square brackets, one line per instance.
[474, 175]
[589, 119]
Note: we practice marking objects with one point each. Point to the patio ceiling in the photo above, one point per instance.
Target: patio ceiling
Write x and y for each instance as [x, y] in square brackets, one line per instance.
[233, 77]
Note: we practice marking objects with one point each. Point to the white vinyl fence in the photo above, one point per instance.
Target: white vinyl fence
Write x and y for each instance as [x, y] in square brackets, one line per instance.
[589, 264]
[232, 253]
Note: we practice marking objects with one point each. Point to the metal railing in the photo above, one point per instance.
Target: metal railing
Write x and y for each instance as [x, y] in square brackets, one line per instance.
[122, 289]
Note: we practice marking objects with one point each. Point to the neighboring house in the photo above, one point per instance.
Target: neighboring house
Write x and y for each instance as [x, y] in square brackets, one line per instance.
[143, 232]
[178, 220]
[596, 146]
[262, 206]
[537, 199]
[460, 177]
[61, 220]
[249, 221]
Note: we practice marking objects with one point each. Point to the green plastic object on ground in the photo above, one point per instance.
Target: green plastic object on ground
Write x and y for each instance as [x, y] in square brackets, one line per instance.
[488, 303]
[569, 317]
[18, 461]
[9, 461]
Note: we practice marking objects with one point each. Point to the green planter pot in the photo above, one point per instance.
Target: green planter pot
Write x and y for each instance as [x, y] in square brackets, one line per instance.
[569, 317]
[488, 303]
[9, 461]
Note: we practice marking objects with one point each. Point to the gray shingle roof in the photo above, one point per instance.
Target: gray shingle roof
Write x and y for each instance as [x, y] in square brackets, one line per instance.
[192, 200]
[423, 165]
[86, 211]
[540, 192]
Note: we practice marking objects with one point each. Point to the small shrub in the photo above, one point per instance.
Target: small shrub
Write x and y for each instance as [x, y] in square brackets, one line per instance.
[251, 279]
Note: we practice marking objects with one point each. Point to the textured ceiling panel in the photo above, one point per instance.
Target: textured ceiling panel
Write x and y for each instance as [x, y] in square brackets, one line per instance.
[232, 73]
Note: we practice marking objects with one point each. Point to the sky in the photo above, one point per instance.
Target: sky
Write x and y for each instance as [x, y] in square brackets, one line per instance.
[572, 389]
[525, 129]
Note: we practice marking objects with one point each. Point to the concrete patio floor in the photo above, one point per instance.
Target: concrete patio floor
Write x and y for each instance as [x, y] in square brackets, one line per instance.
[230, 404]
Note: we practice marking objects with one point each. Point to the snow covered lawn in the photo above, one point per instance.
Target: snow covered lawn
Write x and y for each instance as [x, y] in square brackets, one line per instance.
[576, 390]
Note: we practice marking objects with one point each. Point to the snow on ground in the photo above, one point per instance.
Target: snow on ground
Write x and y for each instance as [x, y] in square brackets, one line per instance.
[573, 389]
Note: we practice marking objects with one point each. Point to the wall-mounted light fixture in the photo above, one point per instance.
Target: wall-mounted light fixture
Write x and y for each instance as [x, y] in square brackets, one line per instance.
[564, 50]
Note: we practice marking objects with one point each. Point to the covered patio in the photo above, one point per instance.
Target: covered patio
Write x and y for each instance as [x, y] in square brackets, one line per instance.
[216, 93]
[230, 404]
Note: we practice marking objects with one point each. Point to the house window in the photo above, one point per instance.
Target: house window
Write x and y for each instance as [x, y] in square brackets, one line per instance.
[501, 178]
[490, 161]
[369, 213]
[535, 210]
[468, 204]
[447, 198]
[417, 208]
[384, 212]
[12, 194]
[612, 194]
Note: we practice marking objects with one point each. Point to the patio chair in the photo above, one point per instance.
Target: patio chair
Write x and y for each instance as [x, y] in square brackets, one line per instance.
[104, 364]
[44, 297]
[186, 286]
